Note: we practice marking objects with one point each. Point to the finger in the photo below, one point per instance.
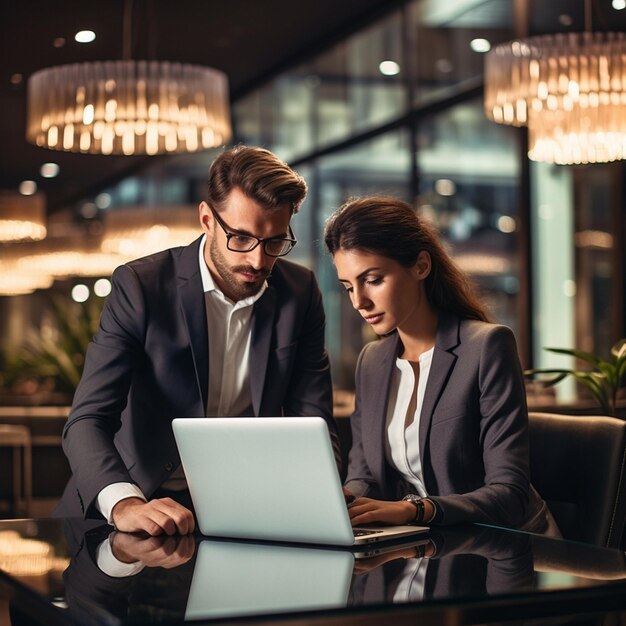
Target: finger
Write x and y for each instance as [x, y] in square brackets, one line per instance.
[156, 518]
[180, 516]
[137, 519]
[186, 547]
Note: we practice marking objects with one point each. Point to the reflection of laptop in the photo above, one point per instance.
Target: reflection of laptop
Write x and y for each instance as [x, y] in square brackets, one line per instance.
[270, 478]
[236, 578]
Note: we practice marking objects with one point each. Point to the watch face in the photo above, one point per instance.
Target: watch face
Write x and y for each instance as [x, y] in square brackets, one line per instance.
[419, 505]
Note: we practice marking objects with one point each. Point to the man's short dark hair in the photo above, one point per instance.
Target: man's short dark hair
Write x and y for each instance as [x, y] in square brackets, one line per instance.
[259, 174]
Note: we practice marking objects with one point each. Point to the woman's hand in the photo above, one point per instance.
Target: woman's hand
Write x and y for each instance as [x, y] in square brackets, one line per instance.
[370, 511]
[365, 565]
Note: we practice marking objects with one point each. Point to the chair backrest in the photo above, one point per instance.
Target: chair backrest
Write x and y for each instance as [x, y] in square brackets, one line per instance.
[577, 466]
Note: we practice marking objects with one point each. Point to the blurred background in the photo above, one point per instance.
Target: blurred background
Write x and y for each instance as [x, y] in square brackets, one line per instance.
[361, 97]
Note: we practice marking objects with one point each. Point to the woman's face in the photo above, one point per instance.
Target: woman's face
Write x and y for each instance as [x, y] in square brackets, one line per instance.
[387, 294]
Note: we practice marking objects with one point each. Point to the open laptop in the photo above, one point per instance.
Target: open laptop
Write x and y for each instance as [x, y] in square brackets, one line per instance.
[270, 478]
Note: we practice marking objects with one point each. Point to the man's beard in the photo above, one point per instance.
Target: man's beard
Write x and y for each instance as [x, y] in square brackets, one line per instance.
[237, 288]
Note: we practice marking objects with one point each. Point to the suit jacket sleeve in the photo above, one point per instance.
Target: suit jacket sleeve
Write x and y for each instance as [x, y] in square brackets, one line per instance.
[502, 430]
[102, 393]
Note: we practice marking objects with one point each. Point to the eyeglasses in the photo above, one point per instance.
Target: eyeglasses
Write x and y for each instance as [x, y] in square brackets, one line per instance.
[272, 246]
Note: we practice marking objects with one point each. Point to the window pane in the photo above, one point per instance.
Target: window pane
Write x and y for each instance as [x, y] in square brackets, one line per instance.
[468, 187]
[451, 39]
[339, 93]
[379, 166]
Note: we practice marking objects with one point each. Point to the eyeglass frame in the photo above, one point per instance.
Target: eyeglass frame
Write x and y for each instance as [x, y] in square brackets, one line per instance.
[259, 240]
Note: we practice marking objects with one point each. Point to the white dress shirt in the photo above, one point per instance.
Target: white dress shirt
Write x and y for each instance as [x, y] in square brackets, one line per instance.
[402, 444]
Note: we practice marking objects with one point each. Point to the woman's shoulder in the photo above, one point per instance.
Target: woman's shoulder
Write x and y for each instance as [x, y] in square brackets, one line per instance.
[477, 332]
[378, 348]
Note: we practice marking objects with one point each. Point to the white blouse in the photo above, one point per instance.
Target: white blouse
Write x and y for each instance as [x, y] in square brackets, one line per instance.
[401, 441]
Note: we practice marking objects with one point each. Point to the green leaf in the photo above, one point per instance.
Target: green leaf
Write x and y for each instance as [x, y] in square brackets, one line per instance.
[619, 349]
[579, 354]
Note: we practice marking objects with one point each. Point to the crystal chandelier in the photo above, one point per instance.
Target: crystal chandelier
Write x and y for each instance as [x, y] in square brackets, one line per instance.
[127, 106]
[568, 89]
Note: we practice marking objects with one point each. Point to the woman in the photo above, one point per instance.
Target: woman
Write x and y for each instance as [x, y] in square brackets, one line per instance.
[440, 428]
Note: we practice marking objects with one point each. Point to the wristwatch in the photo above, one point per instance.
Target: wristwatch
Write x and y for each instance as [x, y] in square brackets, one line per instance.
[418, 502]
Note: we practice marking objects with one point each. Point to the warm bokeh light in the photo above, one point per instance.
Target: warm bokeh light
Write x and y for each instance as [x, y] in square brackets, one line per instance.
[102, 287]
[80, 293]
[568, 89]
[128, 107]
[85, 36]
[389, 68]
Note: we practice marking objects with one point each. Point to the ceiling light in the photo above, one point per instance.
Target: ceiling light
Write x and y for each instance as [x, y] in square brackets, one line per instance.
[58, 42]
[50, 170]
[80, 293]
[139, 231]
[389, 68]
[102, 287]
[568, 89]
[127, 106]
[480, 45]
[16, 79]
[619, 5]
[68, 256]
[27, 187]
[103, 200]
[22, 218]
[85, 36]
[506, 224]
[445, 187]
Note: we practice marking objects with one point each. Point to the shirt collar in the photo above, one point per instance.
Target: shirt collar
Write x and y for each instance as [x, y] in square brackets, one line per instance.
[208, 282]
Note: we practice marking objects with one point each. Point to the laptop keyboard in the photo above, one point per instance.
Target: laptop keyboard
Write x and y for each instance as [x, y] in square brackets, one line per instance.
[362, 532]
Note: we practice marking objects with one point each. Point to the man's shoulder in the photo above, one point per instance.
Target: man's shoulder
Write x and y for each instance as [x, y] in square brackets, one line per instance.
[166, 261]
[290, 275]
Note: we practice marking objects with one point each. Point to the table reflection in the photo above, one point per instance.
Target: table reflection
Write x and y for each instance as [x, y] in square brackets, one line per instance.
[228, 578]
[123, 578]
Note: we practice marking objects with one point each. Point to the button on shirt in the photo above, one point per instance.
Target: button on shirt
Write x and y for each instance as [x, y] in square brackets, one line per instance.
[402, 444]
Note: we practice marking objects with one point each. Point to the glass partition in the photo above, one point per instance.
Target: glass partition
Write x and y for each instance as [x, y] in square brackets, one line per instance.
[378, 166]
[354, 85]
[468, 170]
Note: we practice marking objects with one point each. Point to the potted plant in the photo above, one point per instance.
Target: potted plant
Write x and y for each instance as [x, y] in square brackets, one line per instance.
[604, 379]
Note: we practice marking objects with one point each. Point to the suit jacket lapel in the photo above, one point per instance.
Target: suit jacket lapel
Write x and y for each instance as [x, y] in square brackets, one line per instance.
[193, 309]
[262, 327]
[374, 406]
[443, 361]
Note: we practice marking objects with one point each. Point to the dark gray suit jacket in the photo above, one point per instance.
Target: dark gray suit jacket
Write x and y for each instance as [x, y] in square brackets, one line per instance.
[473, 433]
[149, 363]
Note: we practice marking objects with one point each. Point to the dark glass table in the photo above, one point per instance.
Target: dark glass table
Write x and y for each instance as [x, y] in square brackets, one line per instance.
[70, 571]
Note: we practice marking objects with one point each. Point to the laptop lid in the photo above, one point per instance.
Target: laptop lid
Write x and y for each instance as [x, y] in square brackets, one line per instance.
[268, 478]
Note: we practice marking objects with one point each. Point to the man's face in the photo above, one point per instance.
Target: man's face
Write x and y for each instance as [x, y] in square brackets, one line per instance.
[241, 274]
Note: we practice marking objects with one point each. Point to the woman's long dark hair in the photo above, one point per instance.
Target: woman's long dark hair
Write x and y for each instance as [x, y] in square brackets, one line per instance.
[390, 227]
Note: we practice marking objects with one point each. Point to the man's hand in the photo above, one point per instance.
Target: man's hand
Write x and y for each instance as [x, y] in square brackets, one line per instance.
[166, 552]
[370, 511]
[156, 517]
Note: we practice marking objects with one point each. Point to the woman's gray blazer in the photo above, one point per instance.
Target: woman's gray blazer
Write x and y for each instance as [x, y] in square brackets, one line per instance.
[473, 433]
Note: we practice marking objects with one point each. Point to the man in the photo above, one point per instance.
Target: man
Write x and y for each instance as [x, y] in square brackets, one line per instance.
[220, 327]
